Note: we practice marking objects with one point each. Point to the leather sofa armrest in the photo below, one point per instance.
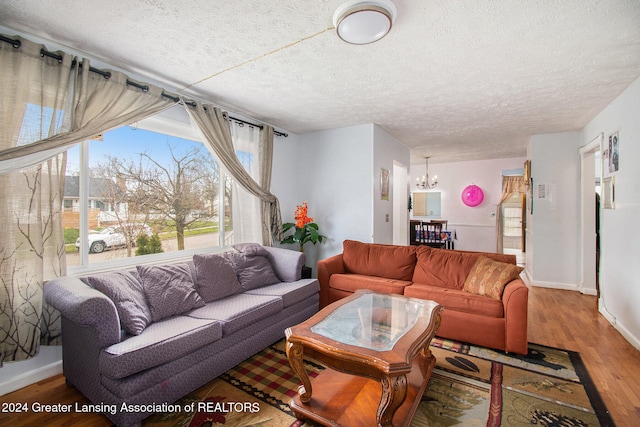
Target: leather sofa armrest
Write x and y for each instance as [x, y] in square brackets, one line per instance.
[327, 267]
[85, 306]
[516, 301]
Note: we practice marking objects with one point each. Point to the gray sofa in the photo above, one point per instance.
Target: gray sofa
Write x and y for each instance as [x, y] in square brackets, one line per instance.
[152, 335]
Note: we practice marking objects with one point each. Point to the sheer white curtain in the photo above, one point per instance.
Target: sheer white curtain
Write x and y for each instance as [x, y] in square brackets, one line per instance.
[215, 128]
[246, 208]
[46, 105]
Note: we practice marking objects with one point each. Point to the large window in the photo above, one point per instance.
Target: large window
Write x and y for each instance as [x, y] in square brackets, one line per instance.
[134, 192]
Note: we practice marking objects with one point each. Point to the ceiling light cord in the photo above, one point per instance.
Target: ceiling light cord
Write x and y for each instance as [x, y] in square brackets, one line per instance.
[258, 57]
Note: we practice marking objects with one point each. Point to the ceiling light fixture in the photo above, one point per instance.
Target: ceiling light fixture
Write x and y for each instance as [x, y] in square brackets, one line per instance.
[363, 22]
[427, 184]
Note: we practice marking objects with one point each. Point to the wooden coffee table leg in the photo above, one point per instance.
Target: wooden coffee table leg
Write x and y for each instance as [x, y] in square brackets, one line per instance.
[394, 391]
[295, 354]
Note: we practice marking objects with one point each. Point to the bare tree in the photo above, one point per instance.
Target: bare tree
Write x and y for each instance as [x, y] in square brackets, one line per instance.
[147, 187]
[175, 189]
[210, 188]
[125, 202]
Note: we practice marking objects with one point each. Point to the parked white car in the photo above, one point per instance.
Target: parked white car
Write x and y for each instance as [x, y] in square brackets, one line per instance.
[113, 236]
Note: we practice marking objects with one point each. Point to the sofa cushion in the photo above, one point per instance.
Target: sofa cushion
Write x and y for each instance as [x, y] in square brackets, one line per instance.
[160, 343]
[252, 266]
[215, 277]
[393, 262]
[290, 292]
[127, 294]
[353, 282]
[508, 258]
[169, 289]
[489, 277]
[444, 268]
[239, 311]
[453, 299]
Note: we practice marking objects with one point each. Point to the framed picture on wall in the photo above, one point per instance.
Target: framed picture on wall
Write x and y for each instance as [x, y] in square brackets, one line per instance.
[384, 184]
[530, 196]
[613, 152]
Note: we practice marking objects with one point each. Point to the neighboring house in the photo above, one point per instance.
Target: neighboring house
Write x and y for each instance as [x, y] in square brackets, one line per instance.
[101, 204]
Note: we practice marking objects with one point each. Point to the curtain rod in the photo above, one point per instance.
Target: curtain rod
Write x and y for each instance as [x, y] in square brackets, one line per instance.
[275, 132]
[106, 74]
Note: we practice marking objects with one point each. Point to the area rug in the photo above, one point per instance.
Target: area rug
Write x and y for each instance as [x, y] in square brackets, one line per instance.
[470, 386]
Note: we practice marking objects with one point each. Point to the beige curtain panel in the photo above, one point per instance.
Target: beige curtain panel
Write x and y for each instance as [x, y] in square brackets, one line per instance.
[215, 128]
[270, 220]
[88, 103]
[47, 105]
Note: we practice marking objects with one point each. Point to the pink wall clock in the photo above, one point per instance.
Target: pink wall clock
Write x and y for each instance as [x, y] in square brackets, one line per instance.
[472, 195]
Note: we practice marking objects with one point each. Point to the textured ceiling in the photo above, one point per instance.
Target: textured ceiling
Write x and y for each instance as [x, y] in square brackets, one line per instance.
[456, 80]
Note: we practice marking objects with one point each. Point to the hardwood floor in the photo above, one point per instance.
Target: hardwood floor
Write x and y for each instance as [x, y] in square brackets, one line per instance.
[557, 318]
[569, 320]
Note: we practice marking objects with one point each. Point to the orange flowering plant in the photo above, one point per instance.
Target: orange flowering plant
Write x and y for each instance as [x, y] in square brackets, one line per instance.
[305, 229]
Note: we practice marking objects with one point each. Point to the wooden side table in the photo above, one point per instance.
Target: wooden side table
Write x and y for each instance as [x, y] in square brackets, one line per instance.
[376, 349]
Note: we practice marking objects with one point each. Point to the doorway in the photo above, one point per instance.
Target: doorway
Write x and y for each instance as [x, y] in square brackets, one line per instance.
[510, 227]
[400, 204]
[513, 234]
[590, 177]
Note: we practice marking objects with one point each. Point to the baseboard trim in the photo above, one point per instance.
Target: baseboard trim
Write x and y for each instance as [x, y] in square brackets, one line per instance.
[21, 374]
[554, 285]
[633, 340]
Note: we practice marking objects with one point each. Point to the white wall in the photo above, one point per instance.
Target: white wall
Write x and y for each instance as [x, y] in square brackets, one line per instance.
[284, 176]
[334, 174]
[620, 227]
[338, 173]
[386, 151]
[475, 227]
[553, 229]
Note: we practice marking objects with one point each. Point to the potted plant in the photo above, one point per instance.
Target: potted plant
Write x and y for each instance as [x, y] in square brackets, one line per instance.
[305, 230]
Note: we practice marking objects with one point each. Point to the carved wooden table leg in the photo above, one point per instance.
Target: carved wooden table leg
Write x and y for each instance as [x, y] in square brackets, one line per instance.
[394, 391]
[295, 353]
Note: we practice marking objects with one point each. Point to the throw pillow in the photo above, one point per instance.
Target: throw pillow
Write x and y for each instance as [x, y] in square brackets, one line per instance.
[252, 266]
[251, 249]
[169, 289]
[127, 294]
[215, 277]
[489, 277]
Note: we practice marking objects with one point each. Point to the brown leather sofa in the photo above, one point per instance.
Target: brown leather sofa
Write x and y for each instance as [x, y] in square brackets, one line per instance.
[484, 300]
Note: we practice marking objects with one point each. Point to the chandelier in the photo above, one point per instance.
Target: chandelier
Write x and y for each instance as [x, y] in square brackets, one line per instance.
[427, 183]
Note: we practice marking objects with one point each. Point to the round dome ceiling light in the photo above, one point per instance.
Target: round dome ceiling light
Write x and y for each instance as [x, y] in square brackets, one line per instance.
[363, 22]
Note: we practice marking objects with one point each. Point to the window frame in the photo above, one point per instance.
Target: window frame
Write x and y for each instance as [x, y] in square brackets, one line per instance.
[171, 123]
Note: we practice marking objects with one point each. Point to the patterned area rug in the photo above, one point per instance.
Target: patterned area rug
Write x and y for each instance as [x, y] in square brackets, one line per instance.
[471, 386]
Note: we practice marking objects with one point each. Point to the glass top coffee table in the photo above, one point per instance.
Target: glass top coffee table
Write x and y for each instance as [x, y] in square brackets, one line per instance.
[376, 349]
